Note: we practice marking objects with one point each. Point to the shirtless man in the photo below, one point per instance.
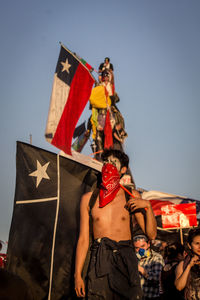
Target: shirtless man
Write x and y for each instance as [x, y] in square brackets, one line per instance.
[112, 256]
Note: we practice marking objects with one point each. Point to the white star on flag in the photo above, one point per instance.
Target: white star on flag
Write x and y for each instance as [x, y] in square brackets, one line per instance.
[165, 209]
[66, 66]
[40, 173]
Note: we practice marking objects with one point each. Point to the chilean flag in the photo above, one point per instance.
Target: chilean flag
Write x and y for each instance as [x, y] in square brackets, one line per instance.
[179, 215]
[71, 90]
[175, 211]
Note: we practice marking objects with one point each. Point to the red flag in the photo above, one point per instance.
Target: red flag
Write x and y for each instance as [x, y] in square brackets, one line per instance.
[179, 215]
[157, 206]
[108, 141]
[71, 90]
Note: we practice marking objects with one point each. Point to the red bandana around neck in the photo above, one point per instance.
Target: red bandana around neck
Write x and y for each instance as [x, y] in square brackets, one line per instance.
[110, 184]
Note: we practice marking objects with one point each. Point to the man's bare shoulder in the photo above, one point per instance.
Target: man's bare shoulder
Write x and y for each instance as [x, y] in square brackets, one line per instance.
[87, 195]
[86, 198]
[84, 204]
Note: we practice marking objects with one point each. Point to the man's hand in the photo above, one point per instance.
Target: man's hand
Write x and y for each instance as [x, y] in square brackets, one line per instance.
[137, 203]
[142, 271]
[79, 286]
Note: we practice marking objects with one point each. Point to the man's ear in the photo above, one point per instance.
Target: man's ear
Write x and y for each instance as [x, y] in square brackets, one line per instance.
[123, 170]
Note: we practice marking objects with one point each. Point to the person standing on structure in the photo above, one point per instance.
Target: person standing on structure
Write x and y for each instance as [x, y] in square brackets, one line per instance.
[113, 270]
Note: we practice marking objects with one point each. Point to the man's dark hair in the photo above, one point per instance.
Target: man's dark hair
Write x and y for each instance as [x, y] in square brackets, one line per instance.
[123, 158]
[171, 251]
[107, 58]
[192, 234]
[140, 237]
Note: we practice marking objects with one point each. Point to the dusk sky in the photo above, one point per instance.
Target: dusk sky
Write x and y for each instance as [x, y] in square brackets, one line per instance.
[154, 46]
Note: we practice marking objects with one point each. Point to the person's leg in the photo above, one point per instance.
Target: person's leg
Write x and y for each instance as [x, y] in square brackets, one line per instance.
[98, 287]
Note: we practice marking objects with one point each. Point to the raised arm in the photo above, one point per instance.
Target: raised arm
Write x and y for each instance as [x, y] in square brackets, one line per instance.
[149, 226]
[82, 245]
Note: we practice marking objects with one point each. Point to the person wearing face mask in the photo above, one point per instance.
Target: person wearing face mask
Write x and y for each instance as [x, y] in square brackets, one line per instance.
[150, 267]
[113, 269]
[188, 270]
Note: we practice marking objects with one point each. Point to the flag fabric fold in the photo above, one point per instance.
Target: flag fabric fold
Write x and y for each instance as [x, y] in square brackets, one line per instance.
[108, 140]
[71, 90]
[79, 130]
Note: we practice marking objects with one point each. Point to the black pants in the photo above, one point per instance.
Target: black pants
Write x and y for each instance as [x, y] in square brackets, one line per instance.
[108, 283]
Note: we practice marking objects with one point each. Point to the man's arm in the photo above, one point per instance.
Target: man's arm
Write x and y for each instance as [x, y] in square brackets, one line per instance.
[150, 226]
[82, 245]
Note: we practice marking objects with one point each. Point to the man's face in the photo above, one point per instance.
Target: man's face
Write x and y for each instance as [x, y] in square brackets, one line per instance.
[141, 244]
[114, 161]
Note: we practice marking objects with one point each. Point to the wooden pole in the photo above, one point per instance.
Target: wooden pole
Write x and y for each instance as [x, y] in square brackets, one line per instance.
[181, 235]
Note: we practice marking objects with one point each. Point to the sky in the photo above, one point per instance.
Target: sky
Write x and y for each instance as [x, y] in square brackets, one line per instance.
[154, 46]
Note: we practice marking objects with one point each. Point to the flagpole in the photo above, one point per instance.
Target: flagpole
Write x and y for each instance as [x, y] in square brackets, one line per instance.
[30, 139]
[181, 235]
[97, 152]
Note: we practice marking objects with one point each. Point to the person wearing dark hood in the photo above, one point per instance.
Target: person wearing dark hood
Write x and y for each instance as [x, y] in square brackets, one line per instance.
[113, 271]
[173, 254]
[188, 270]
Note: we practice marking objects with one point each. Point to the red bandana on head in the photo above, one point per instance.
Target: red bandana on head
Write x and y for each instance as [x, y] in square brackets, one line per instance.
[110, 184]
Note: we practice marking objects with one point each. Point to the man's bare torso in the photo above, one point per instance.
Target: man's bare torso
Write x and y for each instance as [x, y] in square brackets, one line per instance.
[113, 220]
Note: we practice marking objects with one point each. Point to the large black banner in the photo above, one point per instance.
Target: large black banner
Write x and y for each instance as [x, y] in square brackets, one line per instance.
[45, 222]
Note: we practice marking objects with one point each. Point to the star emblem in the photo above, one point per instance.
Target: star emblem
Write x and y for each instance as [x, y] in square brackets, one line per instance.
[40, 173]
[66, 66]
[166, 209]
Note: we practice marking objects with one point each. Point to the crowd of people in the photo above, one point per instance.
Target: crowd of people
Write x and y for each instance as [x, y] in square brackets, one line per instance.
[170, 274]
[123, 265]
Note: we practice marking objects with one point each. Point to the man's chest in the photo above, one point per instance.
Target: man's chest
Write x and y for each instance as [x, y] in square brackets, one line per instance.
[113, 210]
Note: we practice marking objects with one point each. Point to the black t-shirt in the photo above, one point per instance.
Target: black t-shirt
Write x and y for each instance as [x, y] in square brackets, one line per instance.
[102, 65]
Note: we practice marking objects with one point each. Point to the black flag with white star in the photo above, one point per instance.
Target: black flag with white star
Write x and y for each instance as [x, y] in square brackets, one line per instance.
[45, 222]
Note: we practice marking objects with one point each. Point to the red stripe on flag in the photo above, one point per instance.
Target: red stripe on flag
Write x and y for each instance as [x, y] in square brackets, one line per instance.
[108, 140]
[88, 66]
[157, 205]
[78, 97]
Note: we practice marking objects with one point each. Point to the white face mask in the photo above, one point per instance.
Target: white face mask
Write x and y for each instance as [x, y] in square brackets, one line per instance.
[114, 161]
